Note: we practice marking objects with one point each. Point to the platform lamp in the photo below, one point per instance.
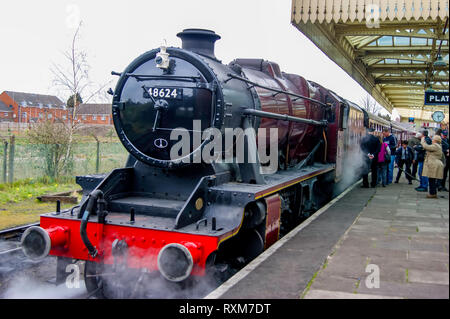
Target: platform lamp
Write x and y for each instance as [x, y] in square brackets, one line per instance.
[439, 60]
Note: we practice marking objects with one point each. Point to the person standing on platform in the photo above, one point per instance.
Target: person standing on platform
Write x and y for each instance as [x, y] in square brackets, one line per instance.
[370, 146]
[420, 157]
[445, 149]
[433, 167]
[413, 142]
[384, 158]
[403, 160]
[392, 142]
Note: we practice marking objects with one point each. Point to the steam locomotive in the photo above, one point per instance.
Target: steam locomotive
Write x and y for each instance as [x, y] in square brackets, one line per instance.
[181, 218]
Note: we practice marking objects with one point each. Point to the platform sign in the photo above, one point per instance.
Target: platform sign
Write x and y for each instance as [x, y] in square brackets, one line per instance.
[436, 98]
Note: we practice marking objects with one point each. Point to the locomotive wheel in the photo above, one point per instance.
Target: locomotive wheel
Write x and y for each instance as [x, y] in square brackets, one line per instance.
[103, 282]
[93, 280]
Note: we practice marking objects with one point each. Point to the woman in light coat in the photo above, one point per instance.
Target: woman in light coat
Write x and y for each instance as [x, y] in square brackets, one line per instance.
[432, 166]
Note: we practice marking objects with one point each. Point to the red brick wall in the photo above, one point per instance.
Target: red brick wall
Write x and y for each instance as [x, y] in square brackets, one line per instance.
[34, 112]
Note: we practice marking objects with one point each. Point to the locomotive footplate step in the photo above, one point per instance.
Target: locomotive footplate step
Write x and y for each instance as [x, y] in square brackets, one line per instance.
[148, 206]
[285, 270]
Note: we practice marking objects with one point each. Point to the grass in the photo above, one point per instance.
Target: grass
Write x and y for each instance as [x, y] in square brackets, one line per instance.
[309, 285]
[358, 282]
[18, 203]
[29, 188]
[325, 264]
[407, 274]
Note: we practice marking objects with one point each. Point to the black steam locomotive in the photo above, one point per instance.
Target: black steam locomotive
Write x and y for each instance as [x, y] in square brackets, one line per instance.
[180, 217]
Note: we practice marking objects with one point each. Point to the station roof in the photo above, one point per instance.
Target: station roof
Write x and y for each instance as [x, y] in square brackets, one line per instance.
[388, 46]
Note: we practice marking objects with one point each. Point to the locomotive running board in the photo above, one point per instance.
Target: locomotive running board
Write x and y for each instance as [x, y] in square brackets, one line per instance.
[278, 181]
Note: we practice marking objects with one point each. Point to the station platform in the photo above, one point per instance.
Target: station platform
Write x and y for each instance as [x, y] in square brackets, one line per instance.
[388, 242]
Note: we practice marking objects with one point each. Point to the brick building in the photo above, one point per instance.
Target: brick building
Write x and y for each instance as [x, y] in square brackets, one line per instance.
[6, 113]
[94, 114]
[31, 108]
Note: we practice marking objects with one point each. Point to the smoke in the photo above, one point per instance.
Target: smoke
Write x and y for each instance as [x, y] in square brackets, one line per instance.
[134, 284]
[26, 279]
[26, 287]
[354, 165]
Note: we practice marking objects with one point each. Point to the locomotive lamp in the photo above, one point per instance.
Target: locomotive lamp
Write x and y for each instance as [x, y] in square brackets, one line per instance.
[37, 242]
[175, 261]
[162, 59]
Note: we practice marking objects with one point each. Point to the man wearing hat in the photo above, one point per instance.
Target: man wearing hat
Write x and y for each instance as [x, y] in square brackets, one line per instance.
[433, 167]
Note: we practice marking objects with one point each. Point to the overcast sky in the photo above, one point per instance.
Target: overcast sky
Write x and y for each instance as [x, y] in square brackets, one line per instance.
[35, 33]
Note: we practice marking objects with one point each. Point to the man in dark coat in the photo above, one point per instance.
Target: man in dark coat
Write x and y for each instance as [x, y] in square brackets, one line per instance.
[445, 149]
[413, 142]
[370, 146]
[403, 158]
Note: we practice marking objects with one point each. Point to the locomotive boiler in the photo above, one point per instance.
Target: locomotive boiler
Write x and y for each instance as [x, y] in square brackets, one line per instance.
[181, 218]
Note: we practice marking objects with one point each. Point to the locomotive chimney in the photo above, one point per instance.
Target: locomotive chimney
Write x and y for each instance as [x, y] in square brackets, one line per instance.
[199, 41]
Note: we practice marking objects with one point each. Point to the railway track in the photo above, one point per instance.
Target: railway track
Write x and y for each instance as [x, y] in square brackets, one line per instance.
[11, 254]
[14, 232]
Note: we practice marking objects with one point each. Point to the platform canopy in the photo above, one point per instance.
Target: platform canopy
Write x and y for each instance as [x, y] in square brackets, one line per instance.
[388, 46]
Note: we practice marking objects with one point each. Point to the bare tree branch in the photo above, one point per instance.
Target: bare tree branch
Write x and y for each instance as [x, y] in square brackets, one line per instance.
[370, 105]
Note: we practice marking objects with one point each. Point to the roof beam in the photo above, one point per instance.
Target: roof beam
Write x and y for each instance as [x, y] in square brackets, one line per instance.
[413, 82]
[409, 78]
[397, 100]
[414, 49]
[409, 88]
[406, 67]
[398, 56]
[397, 30]
[404, 95]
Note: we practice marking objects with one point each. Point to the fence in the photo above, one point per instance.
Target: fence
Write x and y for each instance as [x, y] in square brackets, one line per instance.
[23, 160]
[14, 127]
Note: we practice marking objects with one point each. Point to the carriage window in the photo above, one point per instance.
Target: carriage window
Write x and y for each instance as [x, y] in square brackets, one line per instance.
[344, 116]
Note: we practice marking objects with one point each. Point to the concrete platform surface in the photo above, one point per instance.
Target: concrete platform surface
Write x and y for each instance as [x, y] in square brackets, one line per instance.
[377, 243]
[398, 247]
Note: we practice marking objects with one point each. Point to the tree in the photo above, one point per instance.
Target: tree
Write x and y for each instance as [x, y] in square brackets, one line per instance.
[73, 78]
[385, 116]
[73, 98]
[52, 140]
[370, 105]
